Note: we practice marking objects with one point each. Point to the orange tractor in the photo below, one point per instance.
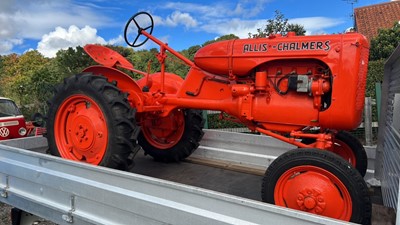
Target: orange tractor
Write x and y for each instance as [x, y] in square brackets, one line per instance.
[303, 90]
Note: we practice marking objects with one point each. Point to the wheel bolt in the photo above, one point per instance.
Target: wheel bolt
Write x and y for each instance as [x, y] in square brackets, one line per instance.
[318, 210]
[309, 203]
[71, 108]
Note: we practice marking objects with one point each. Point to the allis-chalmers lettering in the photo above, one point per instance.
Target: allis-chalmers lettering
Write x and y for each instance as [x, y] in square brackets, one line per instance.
[310, 45]
[289, 46]
[255, 48]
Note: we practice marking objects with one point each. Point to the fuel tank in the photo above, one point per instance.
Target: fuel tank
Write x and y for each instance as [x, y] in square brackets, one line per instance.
[241, 56]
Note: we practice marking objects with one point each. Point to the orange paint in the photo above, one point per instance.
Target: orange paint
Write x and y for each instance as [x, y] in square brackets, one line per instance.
[280, 84]
[314, 190]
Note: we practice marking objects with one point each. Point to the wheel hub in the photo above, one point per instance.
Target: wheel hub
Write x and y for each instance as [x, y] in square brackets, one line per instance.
[315, 190]
[81, 130]
[82, 133]
[311, 200]
[164, 132]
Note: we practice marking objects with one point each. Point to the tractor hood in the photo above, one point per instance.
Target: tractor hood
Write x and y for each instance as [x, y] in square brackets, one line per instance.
[240, 56]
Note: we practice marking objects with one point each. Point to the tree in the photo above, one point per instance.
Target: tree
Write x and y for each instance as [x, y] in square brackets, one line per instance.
[381, 48]
[72, 61]
[278, 25]
[123, 51]
[385, 43]
[141, 59]
[18, 79]
[7, 69]
[222, 38]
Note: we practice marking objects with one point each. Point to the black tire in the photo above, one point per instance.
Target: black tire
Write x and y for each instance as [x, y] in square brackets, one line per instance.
[119, 120]
[361, 162]
[357, 148]
[327, 161]
[192, 134]
[38, 120]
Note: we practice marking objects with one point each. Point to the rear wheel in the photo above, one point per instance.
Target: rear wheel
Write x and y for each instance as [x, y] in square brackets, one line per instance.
[171, 138]
[90, 120]
[318, 182]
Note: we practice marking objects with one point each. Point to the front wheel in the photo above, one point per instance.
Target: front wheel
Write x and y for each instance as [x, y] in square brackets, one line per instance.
[318, 182]
[349, 148]
[91, 121]
[172, 138]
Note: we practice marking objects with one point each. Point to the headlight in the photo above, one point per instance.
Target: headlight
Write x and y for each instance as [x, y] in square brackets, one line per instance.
[22, 131]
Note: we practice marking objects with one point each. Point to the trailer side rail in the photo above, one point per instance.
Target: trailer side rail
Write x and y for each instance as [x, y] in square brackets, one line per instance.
[68, 192]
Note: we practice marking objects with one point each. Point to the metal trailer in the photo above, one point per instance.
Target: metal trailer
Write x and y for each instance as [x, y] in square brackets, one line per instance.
[388, 149]
[68, 192]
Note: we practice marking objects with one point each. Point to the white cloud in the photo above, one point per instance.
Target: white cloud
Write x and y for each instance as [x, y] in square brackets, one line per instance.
[226, 17]
[316, 25]
[243, 8]
[219, 18]
[7, 45]
[61, 38]
[22, 19]
[177, 18]
[230, 18]
[117, 41]
[240, 28]
[248, 9]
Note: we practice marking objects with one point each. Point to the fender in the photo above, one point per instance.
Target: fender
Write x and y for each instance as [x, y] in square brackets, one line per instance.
[124, 82]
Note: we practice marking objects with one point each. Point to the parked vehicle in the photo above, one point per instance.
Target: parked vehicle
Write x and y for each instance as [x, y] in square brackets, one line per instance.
[12, 122]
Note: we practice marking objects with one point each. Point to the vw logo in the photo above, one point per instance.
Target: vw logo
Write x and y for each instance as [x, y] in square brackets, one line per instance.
[4, 132]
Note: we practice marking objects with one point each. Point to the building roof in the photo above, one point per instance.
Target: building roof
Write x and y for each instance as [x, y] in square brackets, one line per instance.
[369, 19]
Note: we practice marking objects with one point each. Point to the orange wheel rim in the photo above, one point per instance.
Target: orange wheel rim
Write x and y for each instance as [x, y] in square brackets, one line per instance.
[315, 190]
[343, 150]
[80, 130]
[164, 132]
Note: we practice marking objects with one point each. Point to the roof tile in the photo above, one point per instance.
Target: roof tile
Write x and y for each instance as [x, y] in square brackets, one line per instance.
[369, 19]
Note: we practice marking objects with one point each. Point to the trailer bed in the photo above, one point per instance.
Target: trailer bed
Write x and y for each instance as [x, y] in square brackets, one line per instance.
[68, 192]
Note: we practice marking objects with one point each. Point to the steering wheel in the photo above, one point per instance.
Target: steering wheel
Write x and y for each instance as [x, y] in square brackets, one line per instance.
[139, 29]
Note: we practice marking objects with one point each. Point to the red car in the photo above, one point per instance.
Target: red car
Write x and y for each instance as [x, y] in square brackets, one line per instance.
[12, 122]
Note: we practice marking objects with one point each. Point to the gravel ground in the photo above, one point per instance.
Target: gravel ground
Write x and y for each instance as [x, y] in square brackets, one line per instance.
[5, 218]
[5, 214]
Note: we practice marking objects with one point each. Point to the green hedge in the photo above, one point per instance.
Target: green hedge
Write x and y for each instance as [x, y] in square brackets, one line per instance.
[214, 122]
[375, 75]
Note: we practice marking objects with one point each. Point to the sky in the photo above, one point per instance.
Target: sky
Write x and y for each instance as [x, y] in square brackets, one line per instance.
[51, 25]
